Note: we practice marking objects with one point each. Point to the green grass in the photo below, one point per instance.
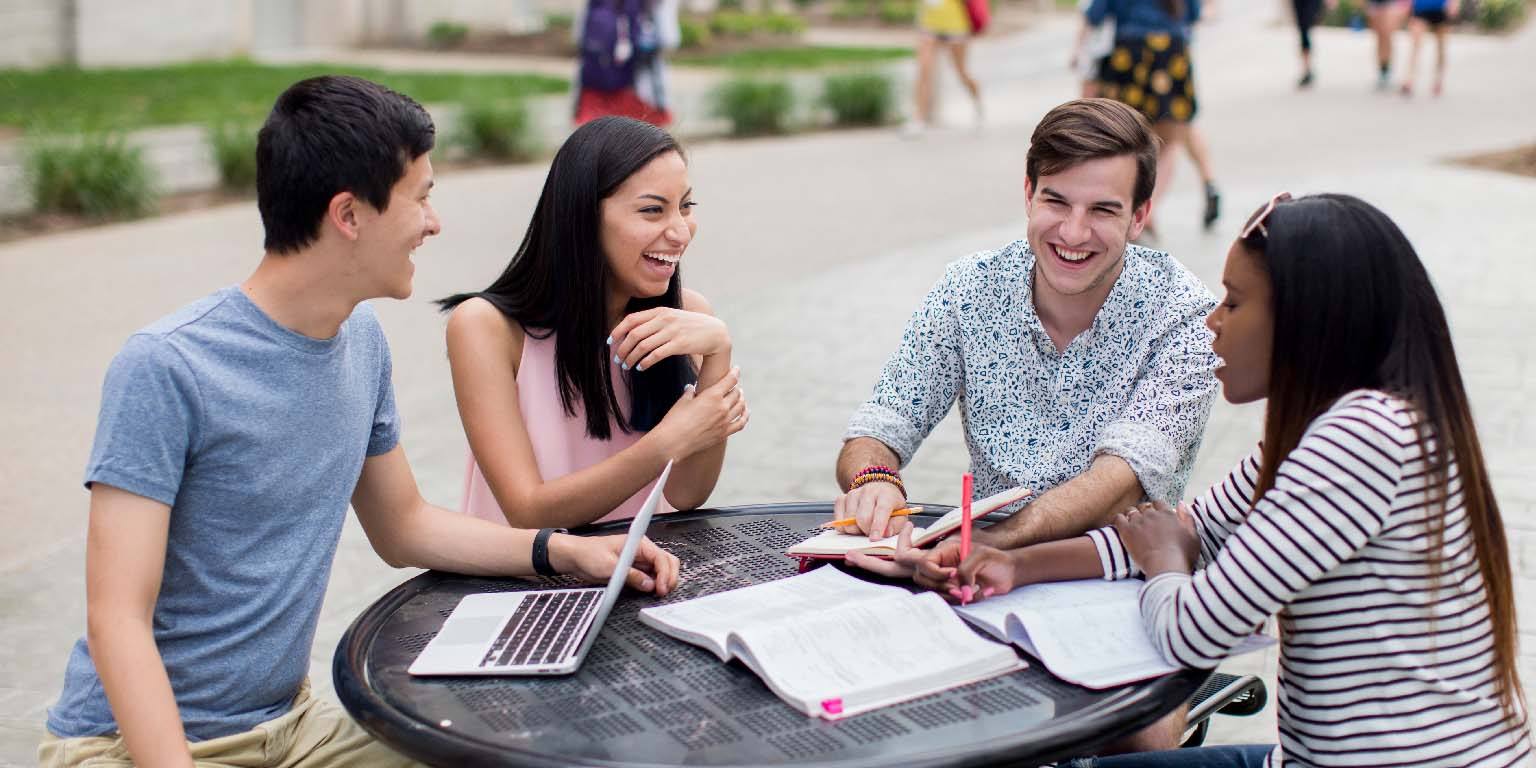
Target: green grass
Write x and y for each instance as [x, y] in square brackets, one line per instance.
[213, 92]
[794, 57]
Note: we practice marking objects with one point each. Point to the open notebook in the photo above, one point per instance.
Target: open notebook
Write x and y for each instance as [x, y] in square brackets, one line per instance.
[1087, 632]
[836, 546]
[832, 645]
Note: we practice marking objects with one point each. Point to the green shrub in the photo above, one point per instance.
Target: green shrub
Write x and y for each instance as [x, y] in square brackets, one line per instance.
[847, 10]
[733, 24]
[101, 177]
[1498, 15]
[234, 152]
[558, 21]
[782, 23]
[1342, 14]
[739, 24]
[694, 34]
[860, 98]
[898, 11]
[753, 106]
[446, 34]
[498, 130]
[728, 5]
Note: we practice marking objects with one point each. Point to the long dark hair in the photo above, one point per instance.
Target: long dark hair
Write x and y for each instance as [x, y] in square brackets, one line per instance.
[1355, 309]
[557, 282]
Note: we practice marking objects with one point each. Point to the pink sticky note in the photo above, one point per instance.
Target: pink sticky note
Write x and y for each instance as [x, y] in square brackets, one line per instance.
[833, 706]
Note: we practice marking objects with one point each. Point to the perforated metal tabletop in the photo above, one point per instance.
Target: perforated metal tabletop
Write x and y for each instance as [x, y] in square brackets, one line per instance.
[644, 699]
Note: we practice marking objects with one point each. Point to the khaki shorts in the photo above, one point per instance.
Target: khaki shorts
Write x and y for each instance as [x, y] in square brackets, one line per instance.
[312, 733]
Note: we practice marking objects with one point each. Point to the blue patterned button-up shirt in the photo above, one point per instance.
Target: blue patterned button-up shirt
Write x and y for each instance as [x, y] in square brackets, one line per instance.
[1137, 384]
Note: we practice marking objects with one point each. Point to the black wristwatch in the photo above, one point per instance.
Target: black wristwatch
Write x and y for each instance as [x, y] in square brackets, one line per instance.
[541, 564]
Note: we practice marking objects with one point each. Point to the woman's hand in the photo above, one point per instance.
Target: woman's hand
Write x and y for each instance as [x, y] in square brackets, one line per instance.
[704, 417]
[1159, 538]
[985, 573]
[592, 559]
[643, 339]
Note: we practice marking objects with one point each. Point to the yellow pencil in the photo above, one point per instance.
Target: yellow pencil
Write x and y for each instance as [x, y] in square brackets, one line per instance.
[904, 511]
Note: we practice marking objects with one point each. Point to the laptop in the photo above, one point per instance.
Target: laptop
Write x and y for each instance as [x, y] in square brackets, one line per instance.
[540, 632]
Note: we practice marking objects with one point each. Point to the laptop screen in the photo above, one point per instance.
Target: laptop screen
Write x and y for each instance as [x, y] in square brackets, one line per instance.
[637, 526]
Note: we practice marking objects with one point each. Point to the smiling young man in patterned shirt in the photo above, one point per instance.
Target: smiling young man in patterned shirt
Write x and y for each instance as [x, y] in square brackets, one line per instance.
[1082, 364]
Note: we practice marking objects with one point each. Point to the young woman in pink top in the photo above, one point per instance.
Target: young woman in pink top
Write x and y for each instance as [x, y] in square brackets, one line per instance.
[586, 366]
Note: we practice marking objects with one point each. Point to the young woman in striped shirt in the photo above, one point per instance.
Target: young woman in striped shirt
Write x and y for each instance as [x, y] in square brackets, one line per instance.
[1366, 520]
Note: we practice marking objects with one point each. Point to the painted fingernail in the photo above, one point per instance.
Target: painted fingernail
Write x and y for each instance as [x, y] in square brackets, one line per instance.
[625, 366]
[610, 341]
[988, 592]
[639, 367]
[615, 358]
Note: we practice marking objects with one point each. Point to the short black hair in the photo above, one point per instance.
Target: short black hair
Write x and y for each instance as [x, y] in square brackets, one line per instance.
[327, 135]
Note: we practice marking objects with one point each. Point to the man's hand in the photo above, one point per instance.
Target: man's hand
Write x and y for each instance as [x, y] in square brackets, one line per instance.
[1159, 538]
[871, 505]
[592, 559]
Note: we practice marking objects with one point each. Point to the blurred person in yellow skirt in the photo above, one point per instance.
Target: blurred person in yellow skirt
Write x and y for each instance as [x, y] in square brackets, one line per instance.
[941, 24]
[1150, 70]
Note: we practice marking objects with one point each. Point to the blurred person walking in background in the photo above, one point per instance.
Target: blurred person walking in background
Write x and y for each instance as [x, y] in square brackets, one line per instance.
[1089, 52]
[620, 44]
[1150, 70]
[1429, 15]
[1308, 12]
[1386, 17]
[947, 24]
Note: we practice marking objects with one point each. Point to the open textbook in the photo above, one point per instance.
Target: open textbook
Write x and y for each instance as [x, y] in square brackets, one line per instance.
[834, 545]
[1087, 632]
[832, 645]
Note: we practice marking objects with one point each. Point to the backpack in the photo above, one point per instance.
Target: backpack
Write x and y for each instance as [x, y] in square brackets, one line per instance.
[607, 60]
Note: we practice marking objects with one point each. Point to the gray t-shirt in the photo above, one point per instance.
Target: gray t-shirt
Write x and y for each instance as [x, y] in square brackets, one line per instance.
[255, 436]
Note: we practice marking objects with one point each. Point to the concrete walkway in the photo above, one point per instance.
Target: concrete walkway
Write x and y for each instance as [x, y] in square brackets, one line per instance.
[814, 249]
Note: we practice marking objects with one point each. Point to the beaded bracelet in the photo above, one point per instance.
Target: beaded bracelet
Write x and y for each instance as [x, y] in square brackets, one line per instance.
[877, 469]
[878, 477]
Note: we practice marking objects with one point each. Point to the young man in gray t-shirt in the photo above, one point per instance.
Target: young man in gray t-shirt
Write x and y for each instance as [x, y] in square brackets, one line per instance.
[233, 434]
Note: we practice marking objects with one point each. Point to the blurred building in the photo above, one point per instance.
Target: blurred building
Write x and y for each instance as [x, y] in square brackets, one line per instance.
[39, 33]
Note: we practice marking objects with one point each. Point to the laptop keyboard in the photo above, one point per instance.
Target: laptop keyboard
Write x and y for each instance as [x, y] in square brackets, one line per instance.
[544, 630]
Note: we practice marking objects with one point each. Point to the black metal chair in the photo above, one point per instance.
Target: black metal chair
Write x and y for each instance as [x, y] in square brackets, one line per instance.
[1222, 694]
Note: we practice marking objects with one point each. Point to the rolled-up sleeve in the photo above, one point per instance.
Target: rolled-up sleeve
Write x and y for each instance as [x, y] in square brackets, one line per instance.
[921, 379]
[1162, 424]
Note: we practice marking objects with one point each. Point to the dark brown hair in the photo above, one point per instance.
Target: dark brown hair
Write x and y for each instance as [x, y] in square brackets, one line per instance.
[1355, 309]
[1090, 129]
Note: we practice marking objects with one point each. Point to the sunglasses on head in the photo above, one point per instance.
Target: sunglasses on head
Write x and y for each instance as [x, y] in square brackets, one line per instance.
[1258, 221]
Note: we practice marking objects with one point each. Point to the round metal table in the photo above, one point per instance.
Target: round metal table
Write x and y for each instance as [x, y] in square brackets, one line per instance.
[642, 698]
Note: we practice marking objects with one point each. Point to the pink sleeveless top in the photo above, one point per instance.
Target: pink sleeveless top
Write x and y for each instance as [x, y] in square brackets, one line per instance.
[560, 442]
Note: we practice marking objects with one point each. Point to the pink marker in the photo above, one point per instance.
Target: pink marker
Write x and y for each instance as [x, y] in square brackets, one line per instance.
[966, 489]
[832, 706]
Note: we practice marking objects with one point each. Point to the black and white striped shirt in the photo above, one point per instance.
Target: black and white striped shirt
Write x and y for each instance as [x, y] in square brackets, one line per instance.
[1376, 668]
